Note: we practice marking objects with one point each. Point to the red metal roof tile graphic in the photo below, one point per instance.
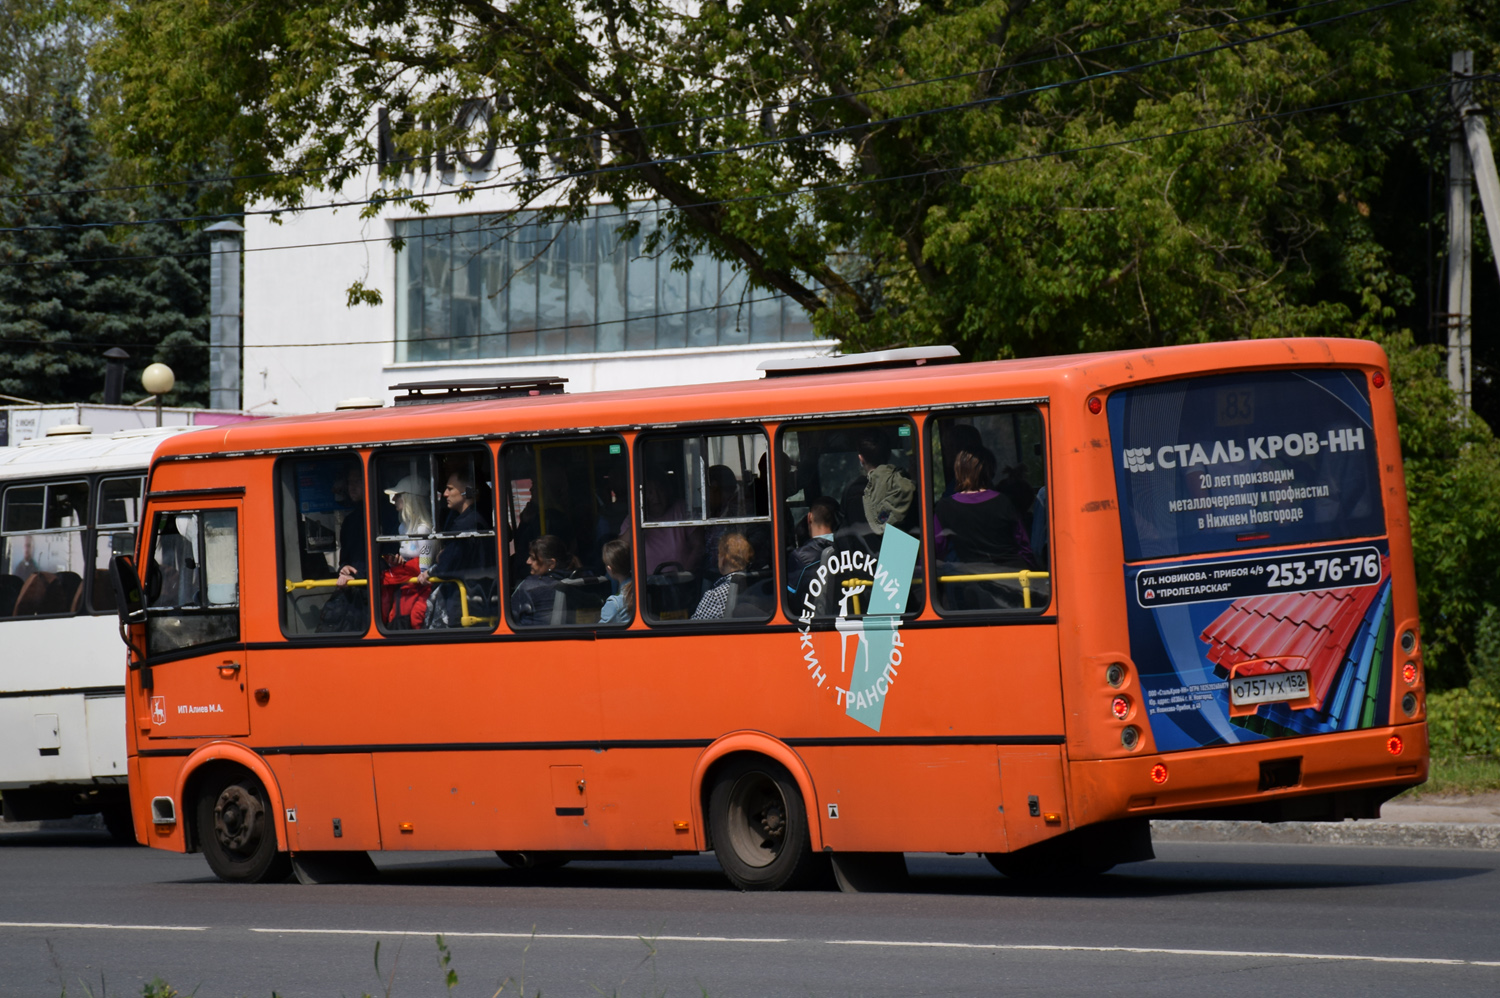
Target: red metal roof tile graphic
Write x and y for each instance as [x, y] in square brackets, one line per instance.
[1263, 634]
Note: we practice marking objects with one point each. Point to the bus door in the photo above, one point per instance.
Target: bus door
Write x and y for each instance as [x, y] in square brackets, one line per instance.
[191, 584]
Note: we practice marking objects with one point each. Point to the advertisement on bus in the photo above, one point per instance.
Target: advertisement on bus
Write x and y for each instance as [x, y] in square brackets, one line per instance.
[1233, 642]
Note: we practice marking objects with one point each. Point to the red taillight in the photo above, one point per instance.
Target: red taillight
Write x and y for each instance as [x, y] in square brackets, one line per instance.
[1393, 745]
[1120, 707]
[1158, 773]
[1409, 673]
[1378, 379]
[1096, 404]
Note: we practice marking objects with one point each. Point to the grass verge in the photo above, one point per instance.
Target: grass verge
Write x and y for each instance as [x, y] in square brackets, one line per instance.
[1458, 776]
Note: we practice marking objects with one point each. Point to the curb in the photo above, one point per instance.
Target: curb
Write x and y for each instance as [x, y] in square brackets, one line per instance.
[1413, 834]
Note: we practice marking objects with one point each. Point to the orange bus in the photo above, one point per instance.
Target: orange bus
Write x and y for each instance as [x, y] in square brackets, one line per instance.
[866, 605]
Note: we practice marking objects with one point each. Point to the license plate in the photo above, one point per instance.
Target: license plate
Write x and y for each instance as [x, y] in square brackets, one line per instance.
[1268, 688]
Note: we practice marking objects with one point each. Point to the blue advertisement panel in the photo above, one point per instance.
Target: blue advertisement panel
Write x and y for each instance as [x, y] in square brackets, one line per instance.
[1237, 649]
[1238, 461]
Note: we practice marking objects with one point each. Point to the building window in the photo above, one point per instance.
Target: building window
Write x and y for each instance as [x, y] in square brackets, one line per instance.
[513, 285]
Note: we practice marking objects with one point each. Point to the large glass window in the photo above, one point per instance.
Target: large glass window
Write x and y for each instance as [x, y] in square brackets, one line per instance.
[514, 285]
[706, 527]
[851, 519]
[989, 511]
[118, 514]
[567, 512]
[324, 545]
[42, 556]
[436, 540]
[193, 580]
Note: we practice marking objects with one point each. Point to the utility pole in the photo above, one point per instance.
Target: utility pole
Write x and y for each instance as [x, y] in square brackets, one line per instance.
[1460, 237]
[1470, 159]
[224, 316]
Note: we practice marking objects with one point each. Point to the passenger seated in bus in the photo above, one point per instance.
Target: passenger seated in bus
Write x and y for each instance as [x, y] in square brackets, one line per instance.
[888, 489]
[663, 546]
[723, 502]
[822, 520]
[735, 555]
[460, 561]
[618, 608]
[550, 562]
[977, 529]
[403, 600]
[352, 559]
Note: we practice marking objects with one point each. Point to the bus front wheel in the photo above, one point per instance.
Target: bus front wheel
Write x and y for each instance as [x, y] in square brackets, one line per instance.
[237, 832]
[759, 826]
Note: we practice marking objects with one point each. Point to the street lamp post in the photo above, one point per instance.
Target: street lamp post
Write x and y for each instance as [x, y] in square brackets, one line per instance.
[158, 379]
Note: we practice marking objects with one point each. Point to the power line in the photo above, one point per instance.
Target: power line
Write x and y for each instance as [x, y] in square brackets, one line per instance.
[701, 119]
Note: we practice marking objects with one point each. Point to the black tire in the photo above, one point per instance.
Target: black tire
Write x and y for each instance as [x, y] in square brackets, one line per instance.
[759, 826]
[120, 823]
[533, 860]
[237, 831]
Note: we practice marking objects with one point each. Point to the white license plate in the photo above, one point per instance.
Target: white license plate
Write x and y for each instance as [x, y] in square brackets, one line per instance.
[1268, 688]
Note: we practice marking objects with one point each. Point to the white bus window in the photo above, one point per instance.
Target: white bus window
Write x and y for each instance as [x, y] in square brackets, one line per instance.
[324, 545]
[565, 502]
[851, 519]
[989, 519]
[116, 517]
[435, 540]
[706, 527]
[192, 580]
[42, 531]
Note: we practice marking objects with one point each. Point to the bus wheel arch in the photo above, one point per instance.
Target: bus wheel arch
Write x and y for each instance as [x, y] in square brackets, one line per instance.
[719, 754]
[236, 783]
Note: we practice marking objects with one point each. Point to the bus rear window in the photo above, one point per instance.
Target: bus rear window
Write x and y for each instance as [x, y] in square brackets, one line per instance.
[1241, 461]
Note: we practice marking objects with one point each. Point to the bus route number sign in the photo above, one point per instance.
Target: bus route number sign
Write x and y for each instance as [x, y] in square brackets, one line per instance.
[1298, 572]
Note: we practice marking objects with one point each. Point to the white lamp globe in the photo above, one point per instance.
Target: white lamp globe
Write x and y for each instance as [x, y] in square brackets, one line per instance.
[158, 379]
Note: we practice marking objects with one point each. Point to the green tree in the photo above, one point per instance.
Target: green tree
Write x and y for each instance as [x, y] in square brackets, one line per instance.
[900, 232]
[72, 285]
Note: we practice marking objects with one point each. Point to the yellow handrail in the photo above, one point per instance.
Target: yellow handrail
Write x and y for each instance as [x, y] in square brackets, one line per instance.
[464, 617]
[1024, 577]
[321, 583]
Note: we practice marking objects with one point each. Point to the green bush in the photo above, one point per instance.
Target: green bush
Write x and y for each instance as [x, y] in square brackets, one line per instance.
[1464, 722]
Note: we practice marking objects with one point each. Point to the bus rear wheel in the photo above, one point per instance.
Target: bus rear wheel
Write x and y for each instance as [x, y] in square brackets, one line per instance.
[237, 832]
[759, 826]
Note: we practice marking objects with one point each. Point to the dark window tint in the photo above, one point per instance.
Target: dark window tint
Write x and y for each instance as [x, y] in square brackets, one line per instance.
[117, 514]
[324, 545]
[1245, 461]
[706, 527]
[567, 512]
[851, 519]
[989, 511]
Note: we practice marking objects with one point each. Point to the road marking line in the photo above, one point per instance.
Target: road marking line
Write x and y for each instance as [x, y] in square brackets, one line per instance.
[1169, 952]
[522, 935]
[103, 925]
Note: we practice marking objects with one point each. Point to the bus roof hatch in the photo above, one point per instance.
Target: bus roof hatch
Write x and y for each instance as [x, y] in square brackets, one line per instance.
[471, 389]
[873, 361]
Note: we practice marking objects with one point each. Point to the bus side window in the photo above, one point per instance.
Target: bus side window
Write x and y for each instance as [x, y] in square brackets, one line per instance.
[989, 522]
[117, 515]
[42, 529]
[566, 503]
[706, 527]
[851, 511]
[324, 553]
[435, 540]
[192, 580]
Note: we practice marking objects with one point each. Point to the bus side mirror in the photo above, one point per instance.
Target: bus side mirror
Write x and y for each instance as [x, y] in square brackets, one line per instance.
[126, 583]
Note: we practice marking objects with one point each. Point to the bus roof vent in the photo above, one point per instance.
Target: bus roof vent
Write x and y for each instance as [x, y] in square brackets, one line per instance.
[69, 430]
[359, 402]
[873, 361]
[471, 389]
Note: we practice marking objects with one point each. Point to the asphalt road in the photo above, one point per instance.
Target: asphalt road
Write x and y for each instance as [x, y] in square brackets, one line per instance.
[80, 916]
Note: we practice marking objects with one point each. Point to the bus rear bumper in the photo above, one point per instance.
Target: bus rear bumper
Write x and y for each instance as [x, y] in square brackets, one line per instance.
[1322, 778]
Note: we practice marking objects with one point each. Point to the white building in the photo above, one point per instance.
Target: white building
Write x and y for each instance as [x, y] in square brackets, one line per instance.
[482, 291]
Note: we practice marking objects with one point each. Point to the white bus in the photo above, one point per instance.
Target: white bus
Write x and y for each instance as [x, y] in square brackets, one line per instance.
[68, 502]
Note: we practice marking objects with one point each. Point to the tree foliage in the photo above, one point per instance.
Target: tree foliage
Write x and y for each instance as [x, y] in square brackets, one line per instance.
[984, 172]
[72, 284]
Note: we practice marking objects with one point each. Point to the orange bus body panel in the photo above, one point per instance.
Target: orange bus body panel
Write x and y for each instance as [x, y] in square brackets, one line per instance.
[588, 742]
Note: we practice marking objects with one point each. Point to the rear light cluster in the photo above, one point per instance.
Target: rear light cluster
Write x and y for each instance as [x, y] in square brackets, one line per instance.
[1411, 673]
[1121, 707]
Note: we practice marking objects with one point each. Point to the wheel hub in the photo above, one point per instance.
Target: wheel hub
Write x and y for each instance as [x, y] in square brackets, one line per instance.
[237, 819]
[757, 819]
